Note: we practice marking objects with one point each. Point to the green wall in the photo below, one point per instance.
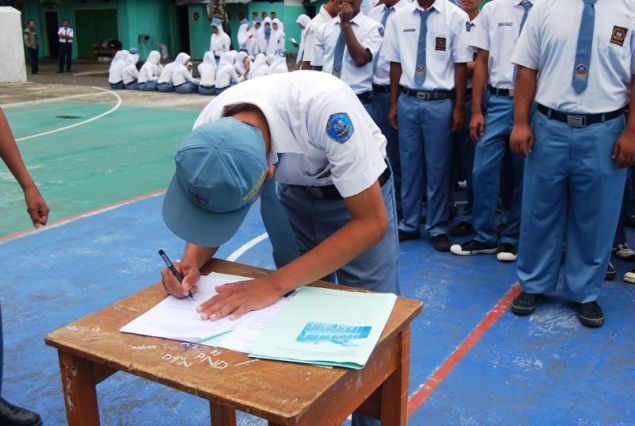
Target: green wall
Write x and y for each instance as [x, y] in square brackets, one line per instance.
[200, 31]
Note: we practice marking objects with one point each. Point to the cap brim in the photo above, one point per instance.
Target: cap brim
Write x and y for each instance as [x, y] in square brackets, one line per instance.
[195, 225]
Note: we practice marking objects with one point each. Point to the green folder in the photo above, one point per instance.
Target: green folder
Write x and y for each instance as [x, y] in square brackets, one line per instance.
[327, 327]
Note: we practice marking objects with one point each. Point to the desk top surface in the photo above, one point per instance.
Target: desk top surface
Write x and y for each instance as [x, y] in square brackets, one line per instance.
[272, 389]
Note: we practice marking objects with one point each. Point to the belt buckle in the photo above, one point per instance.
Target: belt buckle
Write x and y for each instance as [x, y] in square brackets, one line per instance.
[576, 120]
[510, 93]
[425, 96]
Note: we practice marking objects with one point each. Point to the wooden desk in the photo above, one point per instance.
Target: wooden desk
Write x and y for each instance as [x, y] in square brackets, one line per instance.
[91, 349]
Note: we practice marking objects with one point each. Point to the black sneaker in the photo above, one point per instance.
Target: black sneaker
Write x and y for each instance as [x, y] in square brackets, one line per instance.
[610, 272]
[17, 416]
[461, 229]
[441, 242]
[405, 236]
[590, 314]
[506, 252]
[525, 303]
[473, 247]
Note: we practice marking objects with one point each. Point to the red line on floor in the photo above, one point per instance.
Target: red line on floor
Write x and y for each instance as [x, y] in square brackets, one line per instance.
[417, 399]
[87, 213]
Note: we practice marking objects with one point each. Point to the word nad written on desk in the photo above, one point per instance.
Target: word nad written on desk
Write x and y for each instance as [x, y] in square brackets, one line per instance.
[312, 326]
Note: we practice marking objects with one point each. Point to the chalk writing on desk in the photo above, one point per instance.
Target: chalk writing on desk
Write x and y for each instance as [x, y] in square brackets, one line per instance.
[200, 358]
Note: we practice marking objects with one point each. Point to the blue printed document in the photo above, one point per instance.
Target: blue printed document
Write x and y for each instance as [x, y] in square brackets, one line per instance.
[326, 327]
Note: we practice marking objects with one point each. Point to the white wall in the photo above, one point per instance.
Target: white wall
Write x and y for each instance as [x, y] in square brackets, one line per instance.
[12, 65]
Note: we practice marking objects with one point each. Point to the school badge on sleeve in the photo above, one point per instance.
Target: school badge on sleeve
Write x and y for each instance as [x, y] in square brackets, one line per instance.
[619, 35]
[339, 127]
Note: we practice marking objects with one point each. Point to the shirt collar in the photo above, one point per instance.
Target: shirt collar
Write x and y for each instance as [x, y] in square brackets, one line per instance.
[438, 5]
[325, 15]
[396, 6]
[518, 2]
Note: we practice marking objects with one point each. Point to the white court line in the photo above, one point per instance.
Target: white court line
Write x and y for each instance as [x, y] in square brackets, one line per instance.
[47, 100]
[81, 123]
[247, 246]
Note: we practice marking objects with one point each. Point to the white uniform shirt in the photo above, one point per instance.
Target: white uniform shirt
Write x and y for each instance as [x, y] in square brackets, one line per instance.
[219, 43]
[368, 33]
[497, 32]
[314, 27]
[382, 65]
[130, 73]
[549, 41]
[299, 107]
[65, 31]
[447, 41]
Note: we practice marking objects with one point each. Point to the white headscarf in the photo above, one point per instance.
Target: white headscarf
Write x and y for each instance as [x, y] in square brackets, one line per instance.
[219, 43]
[259, 67]
[180, 73]
[119, 62]
[278, 64]
[303, 20]
[207, 70]
[263, 42]
[130, 72]
[243, 36]
[151, 69]
[240, 65]
[276, 41]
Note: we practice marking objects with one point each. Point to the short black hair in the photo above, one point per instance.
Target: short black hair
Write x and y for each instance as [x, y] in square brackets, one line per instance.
[66, 20]
[29, 21]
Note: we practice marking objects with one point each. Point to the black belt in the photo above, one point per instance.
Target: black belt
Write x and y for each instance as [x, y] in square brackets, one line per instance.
[381, 89]
[428, 95]
[579, 120]
[501, 92]
[366, 97]
[330, 192]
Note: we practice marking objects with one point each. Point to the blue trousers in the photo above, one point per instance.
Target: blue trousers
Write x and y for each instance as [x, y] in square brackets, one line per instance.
[132, 86]
[314, 219]
[209, 91]
[381, 105]
[490, 153]
[274, 216]
[463, 159]
[117, 86]
[187, 87]
[424, 136]
[572, 194]
[165, 87]
[148, 86]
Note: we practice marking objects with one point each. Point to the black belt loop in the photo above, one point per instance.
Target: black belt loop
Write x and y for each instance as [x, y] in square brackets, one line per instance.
[428, 95]
[579, 120]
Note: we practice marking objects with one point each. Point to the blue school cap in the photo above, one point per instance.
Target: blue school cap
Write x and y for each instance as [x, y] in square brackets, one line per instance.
[216, 22]
[133, 50]
[220, 168]
[244, 21]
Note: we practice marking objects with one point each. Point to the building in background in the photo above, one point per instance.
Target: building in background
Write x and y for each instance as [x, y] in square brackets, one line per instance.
[170, 26]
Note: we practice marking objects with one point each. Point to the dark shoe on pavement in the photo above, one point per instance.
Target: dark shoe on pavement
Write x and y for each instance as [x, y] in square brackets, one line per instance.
[473, 247]
[611, 272]
[590, 314]
[11, 415]
[441, 242]
[461, 229]
[525, 303]
[405, 236]
[506, 252]
[629, 277]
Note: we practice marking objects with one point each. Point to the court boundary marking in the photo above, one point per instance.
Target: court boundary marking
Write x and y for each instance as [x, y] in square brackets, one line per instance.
[81, 123]
[46, 100]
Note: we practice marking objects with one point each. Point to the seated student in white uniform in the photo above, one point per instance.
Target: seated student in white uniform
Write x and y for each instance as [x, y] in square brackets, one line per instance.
[164, 83]
[219, 40]
[207, 71]
[150, 72]
[333, 179]
[242, 62]
[279, 63]
[226, 74]
[346, 46]
[260, 67]
[327, 12]
[182, 79]
[115, 72]
[130, 73]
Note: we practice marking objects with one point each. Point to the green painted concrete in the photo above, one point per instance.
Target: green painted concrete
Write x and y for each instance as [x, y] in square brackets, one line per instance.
[111, 159]
[200, 31]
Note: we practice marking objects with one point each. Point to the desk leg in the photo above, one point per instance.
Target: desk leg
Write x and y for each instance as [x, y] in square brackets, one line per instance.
[221, 415]
[394, 395]
[80, 396]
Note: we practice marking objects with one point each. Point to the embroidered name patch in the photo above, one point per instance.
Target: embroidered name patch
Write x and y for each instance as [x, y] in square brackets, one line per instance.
[409, 30]
[505, 24]
[440, 44]
[619, 35]
[339, 127]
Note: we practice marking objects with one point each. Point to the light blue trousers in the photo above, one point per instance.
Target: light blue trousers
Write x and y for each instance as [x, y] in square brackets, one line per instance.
[572, 194]
[187, 87]
[117, 86]
[381, 105]
[208, 91]
[486, 174]
[132, 86]
[165, 87]
[425, 136]
[148, 86]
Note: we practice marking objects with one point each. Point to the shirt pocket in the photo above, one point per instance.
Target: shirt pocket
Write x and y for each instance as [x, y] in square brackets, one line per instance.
[615, 41]
[441, 44]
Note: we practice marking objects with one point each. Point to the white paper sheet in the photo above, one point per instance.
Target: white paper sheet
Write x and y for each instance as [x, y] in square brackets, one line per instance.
[177, 319]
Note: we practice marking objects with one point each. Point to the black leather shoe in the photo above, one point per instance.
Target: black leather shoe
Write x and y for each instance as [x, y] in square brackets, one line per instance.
[405, 236]
[525, 303]
[11, 415]
[590, 314]
[462, 229]
[610, 272]
[441, 242]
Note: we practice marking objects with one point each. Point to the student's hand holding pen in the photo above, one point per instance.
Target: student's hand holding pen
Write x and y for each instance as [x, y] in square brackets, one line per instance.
[171, 284]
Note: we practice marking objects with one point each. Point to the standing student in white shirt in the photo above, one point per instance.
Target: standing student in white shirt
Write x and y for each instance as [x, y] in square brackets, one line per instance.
[498, 29]
[346, 46]
[327, 12]
[576, 59]
[66, 36]
[383, 13]
[427, 45]
[219, 40]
